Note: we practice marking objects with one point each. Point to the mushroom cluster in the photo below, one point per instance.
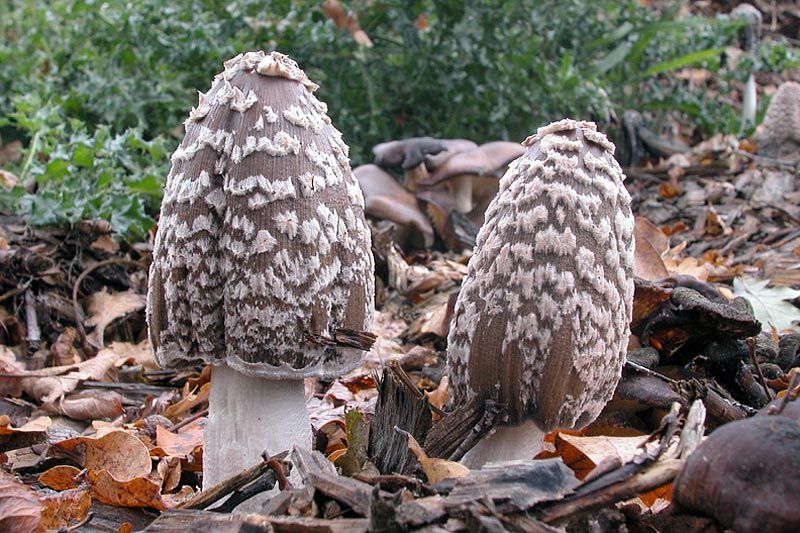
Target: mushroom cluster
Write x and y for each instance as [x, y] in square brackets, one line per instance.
[542, 319]
[261, 259]
[448, 178]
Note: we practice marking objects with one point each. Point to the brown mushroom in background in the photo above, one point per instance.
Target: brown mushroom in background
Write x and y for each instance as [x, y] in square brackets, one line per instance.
[490, 159]
[409, 155]
[385, 199]
[452, 147]
[542, 317]
[746, 474]
[262, 245]
[779, 134]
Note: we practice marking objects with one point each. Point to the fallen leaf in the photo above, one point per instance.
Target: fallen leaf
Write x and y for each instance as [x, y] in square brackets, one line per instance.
[650, 243]
[435, 469]
[186, 445]
[190, 401]
[140, 354]
[136, 492]
[60, 477]
[37, 425]
[770, 304]
[20, 509]
[89, 404]
[116, 451]
[169, 473]
[171, 501]
[582, 454]
[105, 307]
[50, 389]
[65, 508]
[105, 243]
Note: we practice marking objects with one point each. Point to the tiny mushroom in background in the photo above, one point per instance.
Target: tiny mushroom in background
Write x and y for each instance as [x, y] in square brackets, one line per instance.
[749, 36]
[418, 155]
[262, 258]
[490, 159]
[779, 134]
[385, 199]
[542, 319]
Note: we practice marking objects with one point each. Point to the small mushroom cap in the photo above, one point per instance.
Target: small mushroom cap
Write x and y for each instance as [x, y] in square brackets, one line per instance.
[779, 134]
[543, 314]
[406, 153]
[262, 237]
[751, 32]
[385, 199]
[452, 147]
[488, 159]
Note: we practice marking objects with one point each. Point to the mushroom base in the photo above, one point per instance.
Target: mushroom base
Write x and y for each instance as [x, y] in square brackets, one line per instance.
[506, 443]
[248, 415]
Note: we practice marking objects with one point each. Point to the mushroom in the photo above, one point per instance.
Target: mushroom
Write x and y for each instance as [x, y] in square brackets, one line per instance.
[490, 159]
[418, 155]
[779, 134]
[749, 36]
[542, 317]
[261, 259]
[385, 199]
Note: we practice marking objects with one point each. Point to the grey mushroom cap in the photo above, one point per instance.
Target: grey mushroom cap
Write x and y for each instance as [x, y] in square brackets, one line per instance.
[452, 147]
[488, 159]
[751, 32]
[543, 314]
[779, 134]
[262, 236]
[406, 153]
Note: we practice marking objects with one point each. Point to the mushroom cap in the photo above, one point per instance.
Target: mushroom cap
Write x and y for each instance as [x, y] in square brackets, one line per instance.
[452, 147]
[543, 314]
[262, 236]
[751, 32]
[406, 153]
[779, 134]
[385, 199]
[488, 159]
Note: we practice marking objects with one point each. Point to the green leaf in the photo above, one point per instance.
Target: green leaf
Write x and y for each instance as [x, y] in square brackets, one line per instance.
[83, 156]
[684, 61]
[770, 304]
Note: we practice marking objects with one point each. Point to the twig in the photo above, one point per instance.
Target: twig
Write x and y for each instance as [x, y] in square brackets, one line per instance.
[262, 484]
[784, 163]
[15, 291]
[791, 393]
[31, 320]
[751, 345]
[76, 307]
[186, 421]
[213, 494]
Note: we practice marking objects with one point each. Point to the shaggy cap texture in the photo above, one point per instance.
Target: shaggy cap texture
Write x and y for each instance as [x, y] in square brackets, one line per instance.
[543, 314]
[262, 235]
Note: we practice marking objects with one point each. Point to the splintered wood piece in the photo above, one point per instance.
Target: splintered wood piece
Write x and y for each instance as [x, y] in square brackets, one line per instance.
[179, 521]
[397, 406]
[320, 473]
[458, 431]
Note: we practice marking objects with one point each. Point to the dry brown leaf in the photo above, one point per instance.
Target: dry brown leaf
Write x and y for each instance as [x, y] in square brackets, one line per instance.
[105, 307]
[582, 454]
[435, 469]
[20, 509]
[186, 444]
[10, 386]
[51, 389]
[650, 243]
[60, 477]
[65, 509]
[171, 501]
[190, 401]
[105, 243]
[169, 473]
[88, 405]
[140, 354]
[120, 453]
[37, 425]
[439, 396]
[136, 492]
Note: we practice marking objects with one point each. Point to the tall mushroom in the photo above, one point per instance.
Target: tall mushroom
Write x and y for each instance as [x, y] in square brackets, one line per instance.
[262, 250]
[779, 134]
[542, 319]
[749, 36]
[490, 159]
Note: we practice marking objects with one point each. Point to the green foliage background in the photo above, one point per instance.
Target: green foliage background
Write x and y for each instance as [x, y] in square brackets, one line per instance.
[97, 91]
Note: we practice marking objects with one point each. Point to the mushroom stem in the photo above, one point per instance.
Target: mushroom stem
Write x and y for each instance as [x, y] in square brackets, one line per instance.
[507, 443]
[462, 190]
[247, 415]
[749, 103]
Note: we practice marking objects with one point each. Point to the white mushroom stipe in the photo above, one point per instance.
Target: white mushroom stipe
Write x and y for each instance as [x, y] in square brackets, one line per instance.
[506, 443]
[462, 190]
[248, 415]
[750, 101]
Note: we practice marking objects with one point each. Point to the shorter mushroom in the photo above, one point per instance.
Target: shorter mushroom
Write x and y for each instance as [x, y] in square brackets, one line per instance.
[385, 199]
[490, 159]
[417, 156]
[542, 318]
[779, 134]
[749, 36]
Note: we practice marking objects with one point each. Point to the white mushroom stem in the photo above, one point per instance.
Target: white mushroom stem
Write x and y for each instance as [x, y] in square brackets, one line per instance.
[247, 415]
[750, 102]
[462, 190]
[506, 443]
